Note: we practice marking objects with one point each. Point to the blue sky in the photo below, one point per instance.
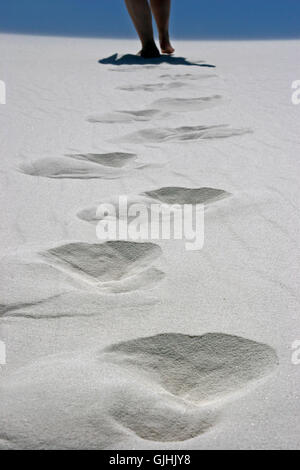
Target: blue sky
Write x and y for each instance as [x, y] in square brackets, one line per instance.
[204, 19]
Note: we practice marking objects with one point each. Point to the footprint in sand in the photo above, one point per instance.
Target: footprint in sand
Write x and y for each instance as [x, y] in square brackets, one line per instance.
[187, 76]
[89, 400]
[178, 195]
[159, 109]
[185, 134]
[84, 166]
[56, 294]
[153, 86]
[74, 279]
[133, 68]
[126, 116]
[166, 195]
[162, 417]
[114, 266]
[187, 104]
[114, 160]
[198, 369]
[78, 303]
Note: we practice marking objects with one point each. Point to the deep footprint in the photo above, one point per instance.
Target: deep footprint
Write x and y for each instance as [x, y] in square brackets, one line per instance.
[198, 369]
[159, 109]
[79, 303]
[125, 116]
[177, 195]
[89, 399]
[114, 160]
[187, 104]
[79, 400]
[103, 262]
[185, 133]
[187, 76]
[166, 195]
[61, 282]
[82, 166]
[161, 417]
[153, 86]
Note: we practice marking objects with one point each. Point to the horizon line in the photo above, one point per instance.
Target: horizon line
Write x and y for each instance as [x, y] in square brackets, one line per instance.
[132, 38]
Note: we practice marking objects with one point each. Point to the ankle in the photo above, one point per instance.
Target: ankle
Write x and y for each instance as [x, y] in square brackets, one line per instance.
[164, 36]
[148, 44]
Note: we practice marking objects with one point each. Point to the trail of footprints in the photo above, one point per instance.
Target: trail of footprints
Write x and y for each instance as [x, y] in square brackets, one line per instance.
[178, 383]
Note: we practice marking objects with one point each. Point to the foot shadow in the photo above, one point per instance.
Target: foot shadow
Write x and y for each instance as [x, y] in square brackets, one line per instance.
[131, 59]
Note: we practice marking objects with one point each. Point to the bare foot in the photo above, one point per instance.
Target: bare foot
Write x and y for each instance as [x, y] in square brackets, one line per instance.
[165, 45]
[149, 51]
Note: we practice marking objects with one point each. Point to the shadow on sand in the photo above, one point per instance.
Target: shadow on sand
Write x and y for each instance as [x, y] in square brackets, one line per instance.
[131, 59]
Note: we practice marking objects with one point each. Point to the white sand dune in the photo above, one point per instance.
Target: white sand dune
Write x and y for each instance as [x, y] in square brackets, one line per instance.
[144, 345]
